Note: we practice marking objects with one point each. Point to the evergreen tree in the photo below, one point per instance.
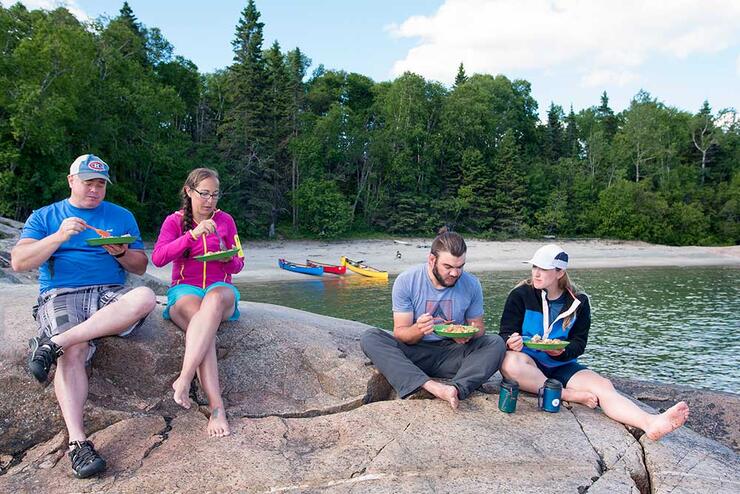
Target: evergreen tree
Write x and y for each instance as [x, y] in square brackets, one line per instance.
[605, 115]
[278, 113]
[461, 77]
[245, 136]
[554, 139]
[136, 47]
[572, 147]
[477, 190]
[297, 65]
[510, 191]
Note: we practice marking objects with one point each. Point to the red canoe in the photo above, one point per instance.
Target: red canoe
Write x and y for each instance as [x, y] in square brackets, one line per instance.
[328, 268]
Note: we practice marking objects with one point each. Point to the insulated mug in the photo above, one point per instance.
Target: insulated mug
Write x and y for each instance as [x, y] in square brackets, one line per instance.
[508, 393]
[548, 397]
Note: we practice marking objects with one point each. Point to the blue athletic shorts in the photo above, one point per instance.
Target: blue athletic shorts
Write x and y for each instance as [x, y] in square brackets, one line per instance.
[562, 373]
[178, 291]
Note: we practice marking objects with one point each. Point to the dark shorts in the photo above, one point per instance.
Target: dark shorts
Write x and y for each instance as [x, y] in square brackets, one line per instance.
[60, 309]
[562, 373]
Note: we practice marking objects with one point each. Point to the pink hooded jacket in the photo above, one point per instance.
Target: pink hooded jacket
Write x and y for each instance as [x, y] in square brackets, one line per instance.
[172, 243]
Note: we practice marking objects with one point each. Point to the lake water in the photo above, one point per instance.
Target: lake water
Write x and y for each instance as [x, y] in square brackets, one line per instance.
[676, 325]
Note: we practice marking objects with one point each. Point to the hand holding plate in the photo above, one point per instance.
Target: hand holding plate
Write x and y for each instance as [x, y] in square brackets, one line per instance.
[554, 353]
[115, 249]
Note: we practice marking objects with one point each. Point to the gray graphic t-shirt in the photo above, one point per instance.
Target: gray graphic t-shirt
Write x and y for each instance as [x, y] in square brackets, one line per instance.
[414, 292]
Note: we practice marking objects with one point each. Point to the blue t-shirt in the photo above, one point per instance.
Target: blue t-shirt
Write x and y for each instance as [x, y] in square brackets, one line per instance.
[76, 264]
[413, 292]
[555, 307]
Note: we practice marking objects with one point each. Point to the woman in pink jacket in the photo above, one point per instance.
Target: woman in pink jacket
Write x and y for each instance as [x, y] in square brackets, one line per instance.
[201, 295]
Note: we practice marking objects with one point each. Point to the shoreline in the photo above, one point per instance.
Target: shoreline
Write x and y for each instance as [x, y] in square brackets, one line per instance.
[261, 257]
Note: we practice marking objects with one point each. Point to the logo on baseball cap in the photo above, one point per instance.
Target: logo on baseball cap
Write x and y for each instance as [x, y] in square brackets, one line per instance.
[89, 166]
[550, 256]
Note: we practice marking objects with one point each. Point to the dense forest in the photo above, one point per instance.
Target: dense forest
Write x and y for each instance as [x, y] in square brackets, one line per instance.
[333, 154]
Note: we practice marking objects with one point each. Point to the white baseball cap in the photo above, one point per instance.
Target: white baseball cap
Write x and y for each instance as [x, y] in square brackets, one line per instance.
[550, 256]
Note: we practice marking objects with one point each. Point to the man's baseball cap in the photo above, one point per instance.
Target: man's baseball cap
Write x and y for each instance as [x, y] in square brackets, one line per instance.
[550, 256]
[89, 166]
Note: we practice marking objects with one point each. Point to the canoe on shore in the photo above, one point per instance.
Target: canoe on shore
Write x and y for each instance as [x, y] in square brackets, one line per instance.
[328, 268]
[300, 268]
[363, 269]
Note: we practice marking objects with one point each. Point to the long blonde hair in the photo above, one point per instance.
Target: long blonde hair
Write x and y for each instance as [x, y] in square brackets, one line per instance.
[565, 284]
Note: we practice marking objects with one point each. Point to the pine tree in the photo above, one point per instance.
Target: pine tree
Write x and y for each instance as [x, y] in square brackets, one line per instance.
[605, 116]
[572, 147]
[278, 113]
[136, 48]
[554, 139]
[509, 185]
[461, 77]
[478, 190]
[297, 65]
[244, 133]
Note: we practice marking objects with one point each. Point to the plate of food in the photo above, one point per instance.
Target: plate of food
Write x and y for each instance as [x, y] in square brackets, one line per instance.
[215, 256]
[454, 330]
[537, 342]
[121, 239]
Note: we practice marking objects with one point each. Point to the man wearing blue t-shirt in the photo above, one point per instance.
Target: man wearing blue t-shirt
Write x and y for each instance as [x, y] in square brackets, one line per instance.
[82, 295]
[438, 292]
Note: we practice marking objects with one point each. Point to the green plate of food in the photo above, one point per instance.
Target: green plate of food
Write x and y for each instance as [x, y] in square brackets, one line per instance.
[454, 330]
[539, 343]
[121, 239]
[215, 256]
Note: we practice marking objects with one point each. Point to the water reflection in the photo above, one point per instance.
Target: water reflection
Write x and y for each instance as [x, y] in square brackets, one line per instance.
[670, 324]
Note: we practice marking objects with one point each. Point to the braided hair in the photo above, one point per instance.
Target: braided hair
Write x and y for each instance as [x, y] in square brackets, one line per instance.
[194, 178]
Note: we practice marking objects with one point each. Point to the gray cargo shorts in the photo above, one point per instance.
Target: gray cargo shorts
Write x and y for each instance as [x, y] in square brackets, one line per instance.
[59, 309]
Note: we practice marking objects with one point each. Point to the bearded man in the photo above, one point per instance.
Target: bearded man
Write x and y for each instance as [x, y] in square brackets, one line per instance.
[438, 292]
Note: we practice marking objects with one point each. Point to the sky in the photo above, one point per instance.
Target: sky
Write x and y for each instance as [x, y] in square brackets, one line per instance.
[681, 51]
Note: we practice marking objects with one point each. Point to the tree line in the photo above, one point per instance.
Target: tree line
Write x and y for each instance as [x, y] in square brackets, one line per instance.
[331, 153]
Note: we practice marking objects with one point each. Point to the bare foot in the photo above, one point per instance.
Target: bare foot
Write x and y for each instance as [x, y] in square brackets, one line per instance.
[583, 397]
[443, 392]
[182, 390]
[668, 421]
[218, 425]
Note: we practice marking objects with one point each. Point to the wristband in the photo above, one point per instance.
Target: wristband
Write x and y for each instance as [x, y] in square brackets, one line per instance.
[118, 256]
[191, 235]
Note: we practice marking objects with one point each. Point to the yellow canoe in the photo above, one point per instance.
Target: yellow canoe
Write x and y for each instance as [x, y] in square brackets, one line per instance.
[363, 269]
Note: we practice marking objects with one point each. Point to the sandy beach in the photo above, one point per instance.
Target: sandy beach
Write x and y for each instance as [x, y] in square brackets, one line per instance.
[261, 257]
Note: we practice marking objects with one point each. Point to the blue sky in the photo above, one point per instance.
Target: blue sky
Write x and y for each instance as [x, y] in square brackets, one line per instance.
[682, 52]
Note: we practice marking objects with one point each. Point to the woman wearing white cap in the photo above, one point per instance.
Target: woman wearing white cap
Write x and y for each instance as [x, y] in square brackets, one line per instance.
[548, 305]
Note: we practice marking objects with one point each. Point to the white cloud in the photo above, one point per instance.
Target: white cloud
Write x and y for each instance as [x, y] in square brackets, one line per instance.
[70, 5]
[608, 40]
[604, 77]
[737, 65]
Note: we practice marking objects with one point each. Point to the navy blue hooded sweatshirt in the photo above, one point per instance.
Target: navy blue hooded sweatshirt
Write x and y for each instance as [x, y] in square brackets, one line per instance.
[524, 313]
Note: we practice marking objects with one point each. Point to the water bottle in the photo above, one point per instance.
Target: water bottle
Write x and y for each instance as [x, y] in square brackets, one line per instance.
[508, 393]
[548, 396]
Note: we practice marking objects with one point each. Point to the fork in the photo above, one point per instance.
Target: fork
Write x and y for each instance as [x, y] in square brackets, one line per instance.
[100, 232]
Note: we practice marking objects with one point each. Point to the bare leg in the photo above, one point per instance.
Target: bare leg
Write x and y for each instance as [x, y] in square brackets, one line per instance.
[443, 392]
[70, 387]
[623, 410]
[521, 367]
[201, 319]
[181, 313]
[218, 425]
[110, 320]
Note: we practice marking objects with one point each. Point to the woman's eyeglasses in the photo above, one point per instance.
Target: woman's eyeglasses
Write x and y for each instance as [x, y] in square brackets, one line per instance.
[206, 195]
